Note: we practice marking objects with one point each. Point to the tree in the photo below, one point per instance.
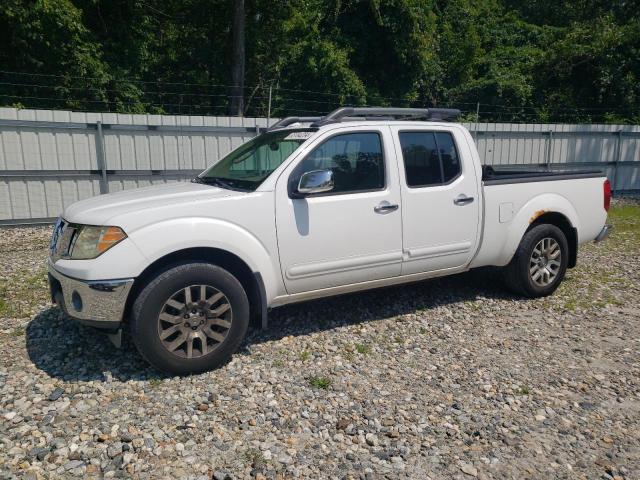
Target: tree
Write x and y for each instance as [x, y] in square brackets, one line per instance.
[533, 60]
[44, 37]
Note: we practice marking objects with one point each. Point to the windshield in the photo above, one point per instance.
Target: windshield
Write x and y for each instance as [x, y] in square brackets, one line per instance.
[250, 164]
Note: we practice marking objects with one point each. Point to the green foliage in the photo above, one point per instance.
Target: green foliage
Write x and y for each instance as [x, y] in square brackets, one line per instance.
[305, 355]
[626, 220]
[320, 383]
[522, 61]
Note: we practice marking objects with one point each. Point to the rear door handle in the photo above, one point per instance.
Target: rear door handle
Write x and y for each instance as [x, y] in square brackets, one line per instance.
[462, 199]
[385, 207]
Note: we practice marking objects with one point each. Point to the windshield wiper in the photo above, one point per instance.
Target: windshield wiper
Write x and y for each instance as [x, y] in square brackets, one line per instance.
[219, 182]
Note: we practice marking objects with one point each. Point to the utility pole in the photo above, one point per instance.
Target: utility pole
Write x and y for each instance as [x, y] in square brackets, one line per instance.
[269, 106]
[477, 121]
[236, 105]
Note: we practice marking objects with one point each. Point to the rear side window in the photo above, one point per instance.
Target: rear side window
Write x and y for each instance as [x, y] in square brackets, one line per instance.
[430, 158]
[354, 158]
[448, 155]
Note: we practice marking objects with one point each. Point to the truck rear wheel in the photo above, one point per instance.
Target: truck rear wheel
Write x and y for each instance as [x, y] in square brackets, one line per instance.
[540, 262]
[190, 318]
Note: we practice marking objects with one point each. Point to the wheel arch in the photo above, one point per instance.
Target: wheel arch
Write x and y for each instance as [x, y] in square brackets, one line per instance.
[563, 223]
[548, 208]
[251, 281]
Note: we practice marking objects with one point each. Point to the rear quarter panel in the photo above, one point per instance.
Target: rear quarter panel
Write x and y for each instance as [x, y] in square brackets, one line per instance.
[511, 208]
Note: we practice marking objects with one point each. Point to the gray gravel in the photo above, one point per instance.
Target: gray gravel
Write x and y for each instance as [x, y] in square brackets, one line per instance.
[452, 378]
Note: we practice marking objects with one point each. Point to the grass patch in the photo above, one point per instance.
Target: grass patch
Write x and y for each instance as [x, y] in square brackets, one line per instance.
[363, 349]
[254, 457]
[625, 217]
[593, 295]
[281, 356]
[305, 355]
[320, 383]
[18, 332]
[626, 225]
[38, 280]
[4, 307]
[19, 293]
[575, 302]
[595, 286]
[155, 382]
[524, 390]
[474, 305]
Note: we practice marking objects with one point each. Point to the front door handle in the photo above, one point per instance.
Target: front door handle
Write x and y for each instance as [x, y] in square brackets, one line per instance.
[462, 199]
[385, 207]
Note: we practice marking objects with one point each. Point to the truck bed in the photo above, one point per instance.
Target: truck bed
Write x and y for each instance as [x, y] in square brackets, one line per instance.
[502, 177]
[509, 209]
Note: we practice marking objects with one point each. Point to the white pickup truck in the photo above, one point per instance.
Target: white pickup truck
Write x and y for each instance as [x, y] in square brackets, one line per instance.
[360, 198]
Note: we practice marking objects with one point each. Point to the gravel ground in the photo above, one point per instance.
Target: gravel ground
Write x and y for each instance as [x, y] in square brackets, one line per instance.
[451, 378]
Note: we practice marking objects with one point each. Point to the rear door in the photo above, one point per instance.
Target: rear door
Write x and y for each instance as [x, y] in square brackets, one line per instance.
[353, 233]
[440, 198]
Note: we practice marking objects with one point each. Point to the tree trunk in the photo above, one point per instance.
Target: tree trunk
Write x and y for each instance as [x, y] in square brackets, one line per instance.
[236, 104]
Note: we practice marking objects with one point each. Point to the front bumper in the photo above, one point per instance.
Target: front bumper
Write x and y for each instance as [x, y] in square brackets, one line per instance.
[98, 303]
[604, 233]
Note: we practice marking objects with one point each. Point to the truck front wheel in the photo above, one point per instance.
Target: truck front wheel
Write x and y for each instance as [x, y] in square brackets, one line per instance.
[540, 262]
[190, 318]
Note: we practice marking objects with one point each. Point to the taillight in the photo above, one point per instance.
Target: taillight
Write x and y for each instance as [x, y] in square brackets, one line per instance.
[607, 195]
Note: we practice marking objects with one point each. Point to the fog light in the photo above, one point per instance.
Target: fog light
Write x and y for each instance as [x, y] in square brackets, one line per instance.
[76, 300]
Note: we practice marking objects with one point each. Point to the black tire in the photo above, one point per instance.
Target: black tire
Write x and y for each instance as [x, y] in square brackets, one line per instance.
[151, 301]
[517, 274]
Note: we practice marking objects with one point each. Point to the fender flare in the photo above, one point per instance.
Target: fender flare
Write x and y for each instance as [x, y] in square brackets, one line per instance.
[530, 212]
[198, 232]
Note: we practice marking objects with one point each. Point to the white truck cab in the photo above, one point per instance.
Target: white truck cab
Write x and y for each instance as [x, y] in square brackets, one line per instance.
[357, 199]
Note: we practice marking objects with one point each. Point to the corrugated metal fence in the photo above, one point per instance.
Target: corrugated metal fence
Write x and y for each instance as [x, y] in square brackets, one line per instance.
[50, 159]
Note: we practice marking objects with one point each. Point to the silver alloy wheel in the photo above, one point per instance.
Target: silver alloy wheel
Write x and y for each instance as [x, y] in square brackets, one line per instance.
[194, 321]
[545, 261]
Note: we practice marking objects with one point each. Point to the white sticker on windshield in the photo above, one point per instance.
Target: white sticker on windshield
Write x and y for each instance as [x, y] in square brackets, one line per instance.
[298, 135]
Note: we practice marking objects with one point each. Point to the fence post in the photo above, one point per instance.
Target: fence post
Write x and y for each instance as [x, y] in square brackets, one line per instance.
[614, 183]
[102, 161]
[477, 121]
[548, 152]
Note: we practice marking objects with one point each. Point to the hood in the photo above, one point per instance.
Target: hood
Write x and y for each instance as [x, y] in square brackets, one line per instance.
[102, 209]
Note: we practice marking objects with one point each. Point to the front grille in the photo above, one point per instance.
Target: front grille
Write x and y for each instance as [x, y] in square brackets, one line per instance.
[61, 239]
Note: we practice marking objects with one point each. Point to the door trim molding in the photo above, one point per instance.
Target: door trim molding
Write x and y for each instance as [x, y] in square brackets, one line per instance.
[369, 285]
[343, 265]
[437, 251]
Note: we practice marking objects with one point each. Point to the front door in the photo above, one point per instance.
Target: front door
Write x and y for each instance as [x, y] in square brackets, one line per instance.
[352, 233]
[440, 199]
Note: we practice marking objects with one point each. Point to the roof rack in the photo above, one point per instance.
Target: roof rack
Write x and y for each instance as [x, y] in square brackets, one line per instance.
[289, 120]
[375, 113]
[344, 114]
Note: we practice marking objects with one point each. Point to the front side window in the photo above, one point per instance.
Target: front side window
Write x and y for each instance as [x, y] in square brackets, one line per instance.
[355, 159]
[430, 158]
[250, 164]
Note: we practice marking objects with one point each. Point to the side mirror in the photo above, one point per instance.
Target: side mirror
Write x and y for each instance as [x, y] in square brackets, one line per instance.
[315, 181]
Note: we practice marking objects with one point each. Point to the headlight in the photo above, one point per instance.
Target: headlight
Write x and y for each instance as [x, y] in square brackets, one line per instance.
[91, 241]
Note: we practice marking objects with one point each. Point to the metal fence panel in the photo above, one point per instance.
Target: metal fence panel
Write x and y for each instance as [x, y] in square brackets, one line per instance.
[50, 159]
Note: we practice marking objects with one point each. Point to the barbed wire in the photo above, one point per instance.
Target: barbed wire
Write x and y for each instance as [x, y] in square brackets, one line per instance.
[280, 103]
[114, 102]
